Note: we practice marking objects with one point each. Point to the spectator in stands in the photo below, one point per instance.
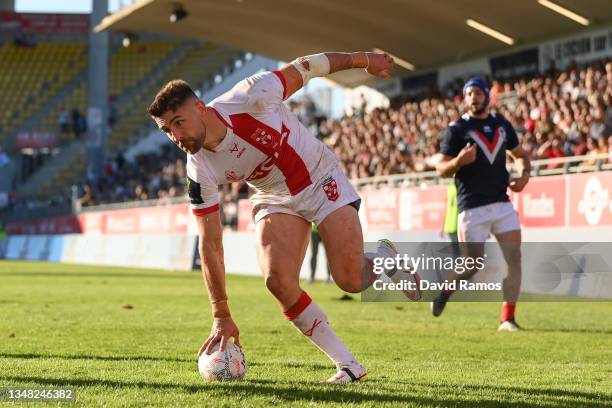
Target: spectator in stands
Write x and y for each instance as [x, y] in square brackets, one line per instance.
[595, 147]
[64, 121]
[4, 159]
[578, 146]
[552, 149]
[112, 116]
[89, 197]
[77, 125]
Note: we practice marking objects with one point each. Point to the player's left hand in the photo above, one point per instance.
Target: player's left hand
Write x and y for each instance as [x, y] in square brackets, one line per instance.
[379, 64]
[518, 184]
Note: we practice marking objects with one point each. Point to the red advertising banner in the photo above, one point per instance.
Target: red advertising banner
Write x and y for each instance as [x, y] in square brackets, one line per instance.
[36, 140]
[381, 209]
[580, 200]
[590, 199]
[44, 23]
[422, 209]
[542, 202]
[170, 219]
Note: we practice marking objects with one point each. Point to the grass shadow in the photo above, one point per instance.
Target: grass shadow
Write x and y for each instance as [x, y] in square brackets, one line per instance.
[355, 393]
[34, 356]
[586, 331]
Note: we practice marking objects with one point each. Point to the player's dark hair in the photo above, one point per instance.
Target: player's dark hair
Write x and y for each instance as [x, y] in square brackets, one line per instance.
[171, 97]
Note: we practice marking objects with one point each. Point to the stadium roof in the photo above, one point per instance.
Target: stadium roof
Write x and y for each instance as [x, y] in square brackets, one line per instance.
[427, 34]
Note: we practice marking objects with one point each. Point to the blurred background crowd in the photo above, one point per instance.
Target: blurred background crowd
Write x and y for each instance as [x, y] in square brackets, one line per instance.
[558, 114]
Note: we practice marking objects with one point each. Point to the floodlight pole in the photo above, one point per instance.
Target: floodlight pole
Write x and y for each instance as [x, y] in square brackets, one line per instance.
[97, 111]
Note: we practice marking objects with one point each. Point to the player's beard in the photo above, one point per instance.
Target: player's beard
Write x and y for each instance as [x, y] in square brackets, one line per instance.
[478, 110]
[198, 141]
[204, 133]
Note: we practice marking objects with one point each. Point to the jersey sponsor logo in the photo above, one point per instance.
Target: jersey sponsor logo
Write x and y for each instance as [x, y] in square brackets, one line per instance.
[236, 149]
[490, 149]
[194, 191]
[331, 189]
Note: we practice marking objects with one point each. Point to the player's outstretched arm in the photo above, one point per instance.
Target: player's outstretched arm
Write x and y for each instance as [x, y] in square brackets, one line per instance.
[213, 270]
[299, 72]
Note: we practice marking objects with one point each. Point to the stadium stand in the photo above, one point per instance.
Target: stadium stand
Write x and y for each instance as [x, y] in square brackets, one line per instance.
[558, 114]
[406, 139]
[129, 65]
[196, 63]
[31, 74]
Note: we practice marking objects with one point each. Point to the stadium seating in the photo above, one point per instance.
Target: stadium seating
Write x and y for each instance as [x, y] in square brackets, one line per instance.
[200, 62]
[29, 76]
[128, 67]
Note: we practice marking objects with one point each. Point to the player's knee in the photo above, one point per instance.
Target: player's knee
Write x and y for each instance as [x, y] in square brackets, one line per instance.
[347, 275]
[349, 283]
[276, 285]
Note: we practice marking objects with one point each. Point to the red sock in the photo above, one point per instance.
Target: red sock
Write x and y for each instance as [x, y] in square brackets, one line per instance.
[507, 311]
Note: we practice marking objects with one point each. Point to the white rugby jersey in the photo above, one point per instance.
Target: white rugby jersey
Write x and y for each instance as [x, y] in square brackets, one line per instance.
[265, 145]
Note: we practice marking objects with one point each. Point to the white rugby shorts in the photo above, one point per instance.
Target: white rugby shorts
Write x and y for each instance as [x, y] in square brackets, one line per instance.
[314, 203]
[477, 224]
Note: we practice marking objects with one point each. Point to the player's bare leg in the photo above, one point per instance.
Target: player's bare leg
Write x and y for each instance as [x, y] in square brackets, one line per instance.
[282, 240]
[510, 243]
[343, 240]
[352, 269]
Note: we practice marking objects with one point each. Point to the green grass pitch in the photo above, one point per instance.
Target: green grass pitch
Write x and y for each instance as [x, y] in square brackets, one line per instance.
[125, 337]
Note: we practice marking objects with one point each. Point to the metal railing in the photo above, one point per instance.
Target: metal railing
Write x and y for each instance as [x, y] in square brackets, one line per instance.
[562, 165]
[134, 204]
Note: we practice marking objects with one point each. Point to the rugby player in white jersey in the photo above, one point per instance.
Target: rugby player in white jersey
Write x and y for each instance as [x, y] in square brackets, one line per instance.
[249, 134]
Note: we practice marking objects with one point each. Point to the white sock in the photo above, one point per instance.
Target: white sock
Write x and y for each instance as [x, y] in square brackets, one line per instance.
[312, 322]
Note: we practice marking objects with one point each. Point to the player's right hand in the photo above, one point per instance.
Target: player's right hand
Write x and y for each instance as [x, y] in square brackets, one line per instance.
[379, 64]
[222, 330]
[467, 155]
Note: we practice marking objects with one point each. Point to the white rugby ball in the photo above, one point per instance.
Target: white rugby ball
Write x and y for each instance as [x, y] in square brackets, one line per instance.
[228, 365]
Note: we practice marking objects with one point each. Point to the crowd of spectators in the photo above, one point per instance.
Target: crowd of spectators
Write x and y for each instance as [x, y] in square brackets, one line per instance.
[157, 175]
[557, 114]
